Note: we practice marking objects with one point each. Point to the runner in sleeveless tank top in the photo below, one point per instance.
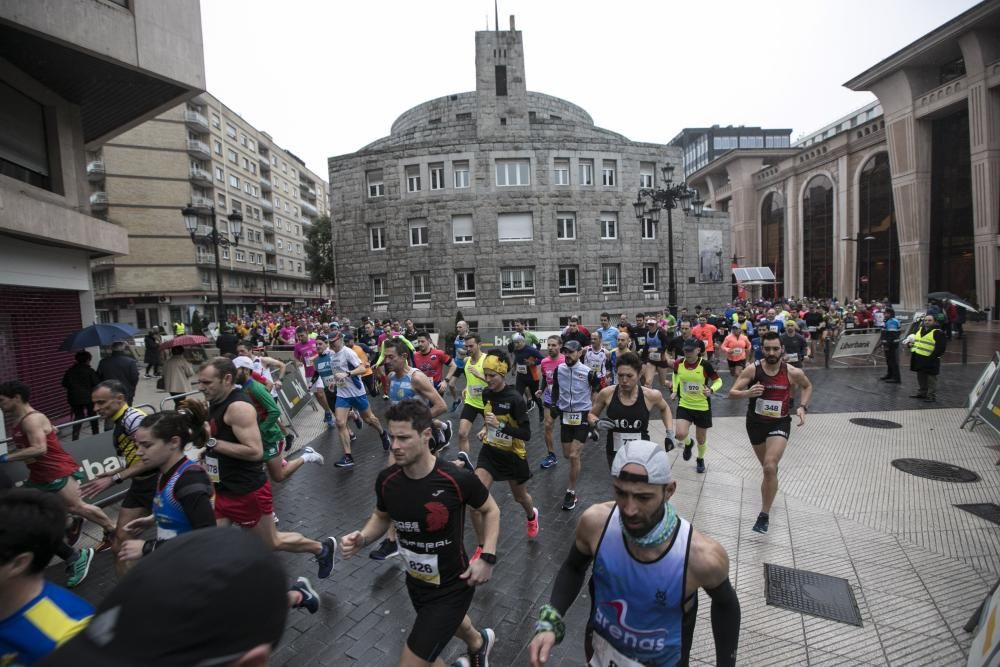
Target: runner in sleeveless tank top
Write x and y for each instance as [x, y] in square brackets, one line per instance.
[648, 566]
[233, 459]
[406, 383]
[627, 406]
[768, 384]
[50, 469]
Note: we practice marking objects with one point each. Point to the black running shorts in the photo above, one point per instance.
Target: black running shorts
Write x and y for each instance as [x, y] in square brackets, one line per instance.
[760, 431]
[700, 418]
[440, 612]
[568, 433]
[140, 494]
[502, 465]
[470, 413]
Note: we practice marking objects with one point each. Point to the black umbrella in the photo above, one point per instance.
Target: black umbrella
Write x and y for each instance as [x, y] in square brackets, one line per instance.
[955, 299]
[97, 335]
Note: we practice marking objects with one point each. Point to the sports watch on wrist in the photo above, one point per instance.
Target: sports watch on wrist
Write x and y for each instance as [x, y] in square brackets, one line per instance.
[490, 559]
[211, 443]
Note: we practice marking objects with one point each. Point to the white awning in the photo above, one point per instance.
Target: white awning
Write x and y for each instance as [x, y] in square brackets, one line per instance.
[754, 275]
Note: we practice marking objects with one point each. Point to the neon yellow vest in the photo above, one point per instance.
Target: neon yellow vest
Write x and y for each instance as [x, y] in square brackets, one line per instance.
[923, 344]
[473, 385]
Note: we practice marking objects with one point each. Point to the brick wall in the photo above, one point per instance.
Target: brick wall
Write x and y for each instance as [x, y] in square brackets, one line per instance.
[33, 323]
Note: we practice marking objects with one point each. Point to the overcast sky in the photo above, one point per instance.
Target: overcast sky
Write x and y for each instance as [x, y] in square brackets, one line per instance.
[325, 78]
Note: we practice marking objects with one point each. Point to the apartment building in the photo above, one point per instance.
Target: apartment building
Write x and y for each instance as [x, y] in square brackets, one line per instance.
[205, 154]
[73, 74]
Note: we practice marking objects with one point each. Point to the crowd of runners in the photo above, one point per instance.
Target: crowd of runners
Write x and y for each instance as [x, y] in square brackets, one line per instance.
[211, 463]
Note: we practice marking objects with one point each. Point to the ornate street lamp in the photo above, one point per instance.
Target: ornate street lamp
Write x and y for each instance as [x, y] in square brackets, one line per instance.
[212, 237]
[668, 197]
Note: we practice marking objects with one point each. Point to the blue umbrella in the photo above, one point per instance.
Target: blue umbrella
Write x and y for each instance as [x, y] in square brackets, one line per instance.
[97, 335]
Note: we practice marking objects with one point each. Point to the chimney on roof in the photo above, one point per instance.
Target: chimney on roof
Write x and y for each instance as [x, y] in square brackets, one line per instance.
[512, 28]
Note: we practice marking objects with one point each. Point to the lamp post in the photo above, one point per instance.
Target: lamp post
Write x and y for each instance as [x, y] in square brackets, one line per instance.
[668, 197]
[213, 238]
[265, 270]
[867, 238]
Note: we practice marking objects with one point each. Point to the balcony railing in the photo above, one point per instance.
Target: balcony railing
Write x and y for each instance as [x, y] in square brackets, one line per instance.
[268, 225]
[95, 170]
[265, 162]
[199, 149]
[269, 248]
[199, 175]
[308, 209]
[266, 205]
[201, 202]
[265, 184]
[195, 121]
[99, 201]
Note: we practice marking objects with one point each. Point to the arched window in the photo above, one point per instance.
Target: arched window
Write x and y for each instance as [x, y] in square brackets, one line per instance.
[817, 238]
[772, 239]
[878, 246]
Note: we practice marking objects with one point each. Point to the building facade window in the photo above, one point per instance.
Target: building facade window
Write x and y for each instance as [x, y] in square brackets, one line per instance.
[649, 228]
[568, 283]
[878, 259]
[650, 278]
[437, 175]
[647, 174]
[218, 147]
[565, 226]
[561, 171]
[609, 278]
[376, 185]
[234, 182]
[419, 232]
[465, 284]
[514, 226]
[513, 172]
[230, 130]
[241, 256]
[817, 237]
[233, 156]
[586, 172]
[772, 239]
[421, 286]
[413, 178]
[461, 169]
[516, 282]
[461, 228]
[380, 290]
[609, 225]
[609, 173]
[220, 174]
[377, 237]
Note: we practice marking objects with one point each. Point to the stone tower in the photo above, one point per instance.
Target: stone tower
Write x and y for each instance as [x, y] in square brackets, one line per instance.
[501, 91]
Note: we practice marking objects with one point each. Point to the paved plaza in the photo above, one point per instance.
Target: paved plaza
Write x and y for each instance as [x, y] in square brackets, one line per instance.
[918, 566]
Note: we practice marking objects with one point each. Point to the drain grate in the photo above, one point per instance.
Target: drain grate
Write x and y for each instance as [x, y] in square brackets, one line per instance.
[936, 470]
[875, 423]
[811, 593]
[988, 511]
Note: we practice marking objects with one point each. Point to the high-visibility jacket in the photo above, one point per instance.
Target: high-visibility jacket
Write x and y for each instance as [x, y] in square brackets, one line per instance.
[924, 343]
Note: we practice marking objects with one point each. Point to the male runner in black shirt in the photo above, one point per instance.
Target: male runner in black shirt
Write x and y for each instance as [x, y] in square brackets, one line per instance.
[425, 499]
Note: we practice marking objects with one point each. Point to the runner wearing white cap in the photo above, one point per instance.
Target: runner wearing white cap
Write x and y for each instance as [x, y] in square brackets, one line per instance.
[648, 566]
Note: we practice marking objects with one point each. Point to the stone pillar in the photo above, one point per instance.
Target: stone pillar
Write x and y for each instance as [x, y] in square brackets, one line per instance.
[979, 51]
[845, 253]
[793, 237]
[744, 217]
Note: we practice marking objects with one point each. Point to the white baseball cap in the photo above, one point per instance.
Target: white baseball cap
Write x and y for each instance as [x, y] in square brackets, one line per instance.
[650, 455]
[243, 362]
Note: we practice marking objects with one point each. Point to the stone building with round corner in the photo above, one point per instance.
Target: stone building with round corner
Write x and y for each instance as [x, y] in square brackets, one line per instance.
[503, 203]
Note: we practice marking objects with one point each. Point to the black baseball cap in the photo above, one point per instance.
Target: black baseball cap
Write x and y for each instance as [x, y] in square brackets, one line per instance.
[571, 345]
[204, 598]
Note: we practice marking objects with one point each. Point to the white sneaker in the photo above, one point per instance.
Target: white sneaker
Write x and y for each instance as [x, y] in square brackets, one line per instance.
[310, 455]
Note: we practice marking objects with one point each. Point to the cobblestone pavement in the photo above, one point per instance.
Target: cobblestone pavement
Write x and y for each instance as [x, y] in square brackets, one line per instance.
[917, 565]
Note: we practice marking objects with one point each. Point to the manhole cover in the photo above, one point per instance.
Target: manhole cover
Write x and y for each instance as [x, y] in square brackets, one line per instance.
[988, 511]
[936, 470]
[811, 593]
[875, 423]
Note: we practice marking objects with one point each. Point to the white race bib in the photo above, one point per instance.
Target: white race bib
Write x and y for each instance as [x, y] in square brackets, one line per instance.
[212, 468]
[165, 533]
[522, 369]
[606, 655]
[572, 418]
[330, 382]
[812, 329]
[692, 388]
[423, 567]
[309, 362]
[768, 408]
[849, 325]
[792, 358]
[595, 366]
[654, 356]
[773, 327]
[619, 439]
[495, 436]
[476, 391]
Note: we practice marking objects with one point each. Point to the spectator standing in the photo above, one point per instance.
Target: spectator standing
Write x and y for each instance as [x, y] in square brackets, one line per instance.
[152, 353]
[177, 374]
[926, 348]
[228, 341]
[120, 366]
[79, 381]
